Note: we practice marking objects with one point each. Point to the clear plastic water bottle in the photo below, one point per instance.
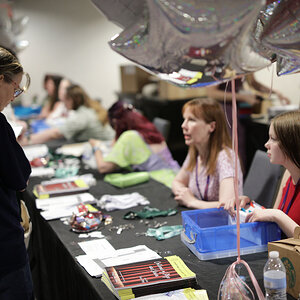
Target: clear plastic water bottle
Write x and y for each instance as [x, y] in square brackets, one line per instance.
[275, 278]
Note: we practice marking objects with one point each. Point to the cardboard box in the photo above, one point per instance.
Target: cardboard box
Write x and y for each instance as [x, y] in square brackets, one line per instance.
[289, 253]
[133, 79]
[168, 91]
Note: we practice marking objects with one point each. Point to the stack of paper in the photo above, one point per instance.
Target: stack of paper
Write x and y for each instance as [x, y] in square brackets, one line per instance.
[101, 254]
[63, 206]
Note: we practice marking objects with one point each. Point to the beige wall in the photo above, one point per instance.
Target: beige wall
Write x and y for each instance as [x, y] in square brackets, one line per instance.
[70, 37]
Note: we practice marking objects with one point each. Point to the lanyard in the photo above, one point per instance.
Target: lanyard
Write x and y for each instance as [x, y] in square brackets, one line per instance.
[286, 194]
[198, 187]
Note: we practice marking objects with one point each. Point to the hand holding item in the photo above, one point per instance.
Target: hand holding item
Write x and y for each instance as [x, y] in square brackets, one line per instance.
[283, 99]
[260, 215]
[230, 206]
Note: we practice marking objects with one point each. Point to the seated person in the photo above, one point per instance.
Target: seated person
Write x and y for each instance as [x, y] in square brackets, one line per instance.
[52, 107]
[284, 149]
[207, 174]
[58, 116]
[86, 119]
[138, 145]
[263, 91]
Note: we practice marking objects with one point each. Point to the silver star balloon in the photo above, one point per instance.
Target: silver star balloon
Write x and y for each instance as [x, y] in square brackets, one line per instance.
[281, 35]
[194, 43]
[10, 28]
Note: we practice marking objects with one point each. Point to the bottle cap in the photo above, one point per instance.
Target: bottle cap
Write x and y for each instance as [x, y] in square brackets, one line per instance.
[274, 254]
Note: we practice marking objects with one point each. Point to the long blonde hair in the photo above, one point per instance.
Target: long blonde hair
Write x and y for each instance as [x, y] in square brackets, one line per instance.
[209, 110]
[80, 97]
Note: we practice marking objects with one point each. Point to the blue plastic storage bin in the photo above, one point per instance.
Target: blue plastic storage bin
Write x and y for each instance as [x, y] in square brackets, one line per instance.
[208, 235]
[27, 112]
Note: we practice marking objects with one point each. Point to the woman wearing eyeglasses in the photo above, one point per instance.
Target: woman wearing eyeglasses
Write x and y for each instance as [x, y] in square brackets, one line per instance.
[15, 276]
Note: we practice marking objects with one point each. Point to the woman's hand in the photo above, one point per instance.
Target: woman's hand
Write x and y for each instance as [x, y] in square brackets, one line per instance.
[184, 197]
[230, 205]
[23, 140]
[94, 142]
[261, 215]
[283, 99]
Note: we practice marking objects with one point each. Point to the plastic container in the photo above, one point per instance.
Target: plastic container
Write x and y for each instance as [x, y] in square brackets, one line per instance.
[208, 235]
[275, 277]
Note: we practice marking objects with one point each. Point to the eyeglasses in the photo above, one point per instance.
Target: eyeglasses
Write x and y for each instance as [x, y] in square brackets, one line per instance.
[18, 91]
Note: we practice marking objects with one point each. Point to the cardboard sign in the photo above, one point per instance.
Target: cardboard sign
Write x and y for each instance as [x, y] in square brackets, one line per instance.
[289, 253]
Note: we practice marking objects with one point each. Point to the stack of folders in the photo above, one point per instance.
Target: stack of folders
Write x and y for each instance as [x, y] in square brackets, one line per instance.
[148, 277]
[59, 188]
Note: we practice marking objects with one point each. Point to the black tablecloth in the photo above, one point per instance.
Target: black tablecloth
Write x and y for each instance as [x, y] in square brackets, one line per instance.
[53, 247]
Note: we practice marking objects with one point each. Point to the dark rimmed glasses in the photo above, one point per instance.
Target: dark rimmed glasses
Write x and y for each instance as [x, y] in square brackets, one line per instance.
[19, 90]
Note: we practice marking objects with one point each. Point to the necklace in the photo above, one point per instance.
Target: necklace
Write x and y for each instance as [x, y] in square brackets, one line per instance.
[197, 184]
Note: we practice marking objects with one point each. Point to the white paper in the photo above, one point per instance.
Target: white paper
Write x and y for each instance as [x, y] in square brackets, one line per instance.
[100, 248]
[59, 202]
[17, 129]
[90, 266]
[59, 212]
[93, 234]
[42, 171]
[130, 255]
[72, 149]
[176, 295]
[95, 265]
[35, 151]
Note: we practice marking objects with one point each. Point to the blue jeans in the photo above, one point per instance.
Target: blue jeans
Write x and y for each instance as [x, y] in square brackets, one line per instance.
[17, 285]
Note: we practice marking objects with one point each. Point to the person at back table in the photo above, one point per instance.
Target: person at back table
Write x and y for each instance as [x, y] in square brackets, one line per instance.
[86, 119]
[207, 174]
[283, 148]
[138, 145]
[60, 115]
[52, 107]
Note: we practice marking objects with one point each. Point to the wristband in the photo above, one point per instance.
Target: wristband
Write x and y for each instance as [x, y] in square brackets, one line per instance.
[96, 148]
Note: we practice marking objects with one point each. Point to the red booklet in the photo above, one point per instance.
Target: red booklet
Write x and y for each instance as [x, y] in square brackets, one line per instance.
[148, 277]
[60, 188]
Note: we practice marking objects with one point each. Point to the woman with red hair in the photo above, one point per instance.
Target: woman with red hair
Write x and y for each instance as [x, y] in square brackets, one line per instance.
[207, 175]
[138, 145]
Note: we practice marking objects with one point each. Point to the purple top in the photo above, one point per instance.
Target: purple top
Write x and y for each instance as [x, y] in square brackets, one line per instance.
[158, 161]
[224, 169]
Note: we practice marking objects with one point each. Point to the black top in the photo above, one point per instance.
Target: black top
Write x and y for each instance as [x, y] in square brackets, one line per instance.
[14, 173]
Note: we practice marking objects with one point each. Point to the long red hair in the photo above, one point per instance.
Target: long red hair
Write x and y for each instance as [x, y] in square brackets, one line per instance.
[210, 111]
[123, 117]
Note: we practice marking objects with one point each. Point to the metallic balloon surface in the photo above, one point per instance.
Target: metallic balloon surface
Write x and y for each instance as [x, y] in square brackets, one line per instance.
[194, 43]
[10, 28]
[281, 35]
